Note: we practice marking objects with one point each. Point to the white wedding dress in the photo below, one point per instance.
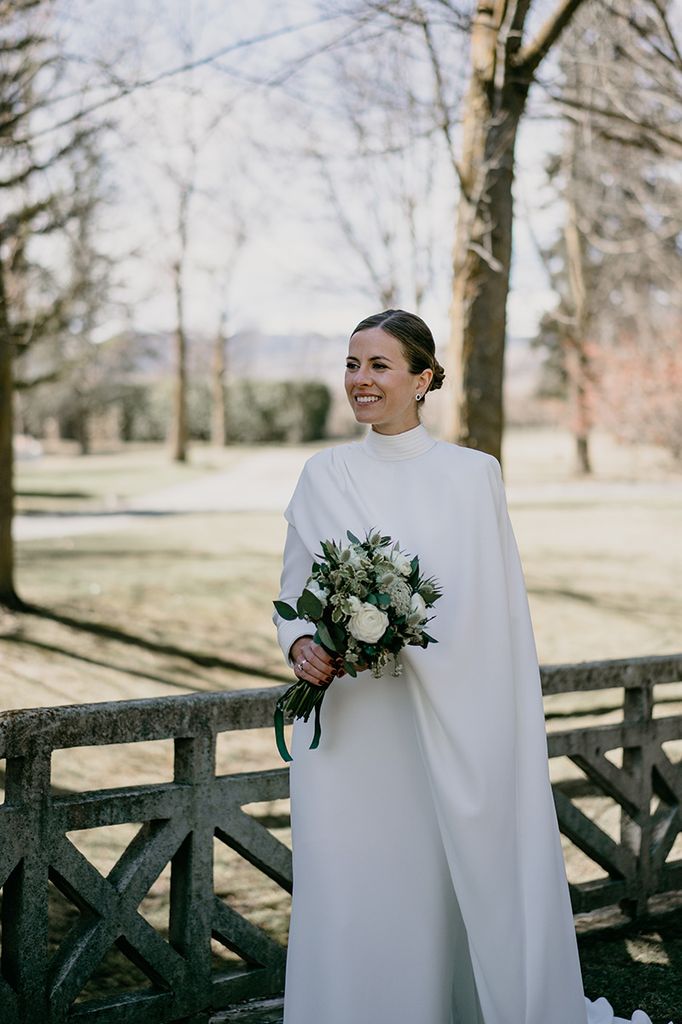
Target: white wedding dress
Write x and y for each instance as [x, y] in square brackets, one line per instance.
[429, 884]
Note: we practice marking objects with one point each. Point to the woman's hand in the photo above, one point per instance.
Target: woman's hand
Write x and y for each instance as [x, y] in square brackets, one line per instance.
[313, 663]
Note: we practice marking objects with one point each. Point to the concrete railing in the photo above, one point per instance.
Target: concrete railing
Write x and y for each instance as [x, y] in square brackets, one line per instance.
[180, 820]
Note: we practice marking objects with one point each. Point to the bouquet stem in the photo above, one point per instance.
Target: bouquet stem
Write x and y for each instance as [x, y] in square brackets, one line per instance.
[300, 700]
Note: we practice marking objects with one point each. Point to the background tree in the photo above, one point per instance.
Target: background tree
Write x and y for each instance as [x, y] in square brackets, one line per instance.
[507, 44]
[381, 184]
[38, 202]
[617, 266]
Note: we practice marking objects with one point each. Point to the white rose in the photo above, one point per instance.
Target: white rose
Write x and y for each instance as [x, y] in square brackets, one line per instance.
[417, 607]
[368, 623]
[401, 562]
[320, 593]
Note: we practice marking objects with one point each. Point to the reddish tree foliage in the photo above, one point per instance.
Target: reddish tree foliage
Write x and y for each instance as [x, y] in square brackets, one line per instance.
[638, 388]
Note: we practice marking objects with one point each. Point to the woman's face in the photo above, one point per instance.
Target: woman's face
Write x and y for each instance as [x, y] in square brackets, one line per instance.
[377, 371]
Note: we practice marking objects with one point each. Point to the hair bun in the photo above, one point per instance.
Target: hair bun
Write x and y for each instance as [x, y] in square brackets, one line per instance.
[438, 376]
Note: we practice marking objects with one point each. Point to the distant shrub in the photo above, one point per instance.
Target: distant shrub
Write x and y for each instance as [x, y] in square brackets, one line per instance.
[259, 411]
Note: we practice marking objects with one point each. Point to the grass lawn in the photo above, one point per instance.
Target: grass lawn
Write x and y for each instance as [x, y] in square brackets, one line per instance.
[179, 603]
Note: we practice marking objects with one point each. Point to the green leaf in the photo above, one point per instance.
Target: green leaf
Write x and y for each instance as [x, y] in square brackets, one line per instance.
[310, 605]
[383, 600]
[338, 634]
[372, 599]
[352, 538]
[326, 637]
[285, 610]
[350, 669]
[429, 639]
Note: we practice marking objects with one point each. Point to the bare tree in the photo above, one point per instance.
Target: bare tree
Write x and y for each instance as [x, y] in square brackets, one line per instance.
[617, 266]
[379, 185]
[507, 46]
[38, 202]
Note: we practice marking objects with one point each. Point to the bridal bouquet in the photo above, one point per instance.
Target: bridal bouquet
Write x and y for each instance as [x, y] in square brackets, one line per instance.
[367, 600]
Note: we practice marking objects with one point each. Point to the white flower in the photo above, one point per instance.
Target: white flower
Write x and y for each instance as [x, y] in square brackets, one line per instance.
[319, 592]
[367, 623]
[417, 608]
[400, 595]
[354, 603]
[401, 562]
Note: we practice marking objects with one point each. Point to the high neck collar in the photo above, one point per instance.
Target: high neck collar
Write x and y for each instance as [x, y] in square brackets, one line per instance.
[406, 445]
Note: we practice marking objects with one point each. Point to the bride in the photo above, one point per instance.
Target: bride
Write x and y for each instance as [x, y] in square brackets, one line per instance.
[429, 885]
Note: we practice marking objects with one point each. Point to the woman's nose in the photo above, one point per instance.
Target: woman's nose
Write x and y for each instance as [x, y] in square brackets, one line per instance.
[363, 375]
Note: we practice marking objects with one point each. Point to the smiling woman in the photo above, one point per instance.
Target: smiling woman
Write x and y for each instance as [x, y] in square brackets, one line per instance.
[390, 367]
[429, 882]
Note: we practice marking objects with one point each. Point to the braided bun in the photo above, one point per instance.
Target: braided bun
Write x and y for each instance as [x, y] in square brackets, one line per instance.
[438, 376]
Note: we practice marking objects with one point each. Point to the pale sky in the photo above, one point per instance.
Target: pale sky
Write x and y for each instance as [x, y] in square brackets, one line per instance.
[295, 272]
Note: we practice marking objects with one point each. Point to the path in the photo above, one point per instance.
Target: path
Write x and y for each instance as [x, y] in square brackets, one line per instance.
[261, 481]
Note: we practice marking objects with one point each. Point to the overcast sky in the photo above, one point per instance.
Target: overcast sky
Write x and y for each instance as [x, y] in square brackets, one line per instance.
[295, 272]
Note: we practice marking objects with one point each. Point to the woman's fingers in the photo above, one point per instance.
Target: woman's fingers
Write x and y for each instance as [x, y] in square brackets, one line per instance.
[316, 665]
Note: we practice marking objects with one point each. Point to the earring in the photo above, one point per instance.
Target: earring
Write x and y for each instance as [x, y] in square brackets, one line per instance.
[419, 397]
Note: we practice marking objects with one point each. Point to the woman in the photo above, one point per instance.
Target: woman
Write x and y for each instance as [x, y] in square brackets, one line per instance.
[429, 885]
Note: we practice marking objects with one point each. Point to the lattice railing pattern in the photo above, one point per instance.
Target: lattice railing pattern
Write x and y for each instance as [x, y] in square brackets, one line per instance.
[179, 821]
[637, 865]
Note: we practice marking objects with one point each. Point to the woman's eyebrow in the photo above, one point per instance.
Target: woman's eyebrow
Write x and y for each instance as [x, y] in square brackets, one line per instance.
[384, 358]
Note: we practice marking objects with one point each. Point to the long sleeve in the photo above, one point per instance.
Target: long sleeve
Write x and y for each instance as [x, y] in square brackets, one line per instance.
[296, 568]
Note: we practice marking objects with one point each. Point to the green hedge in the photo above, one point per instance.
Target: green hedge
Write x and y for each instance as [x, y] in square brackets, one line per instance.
[256, 411]
[276, 410]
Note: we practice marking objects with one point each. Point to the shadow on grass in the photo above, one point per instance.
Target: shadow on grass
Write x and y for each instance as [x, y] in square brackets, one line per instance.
[94, 513]
[99, 663]
[637, 965]
[54, 494]
[106, 632]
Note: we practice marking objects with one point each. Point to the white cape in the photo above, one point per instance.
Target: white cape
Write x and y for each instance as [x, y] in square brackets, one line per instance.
[429, 884]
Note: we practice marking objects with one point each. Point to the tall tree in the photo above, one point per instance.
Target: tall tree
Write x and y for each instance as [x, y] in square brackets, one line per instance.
[617, 265]
[504, 61]
[32, 301]
[507, 44]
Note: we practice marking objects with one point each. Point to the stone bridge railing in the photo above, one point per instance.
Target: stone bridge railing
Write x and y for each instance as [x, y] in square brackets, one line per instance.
[179, 821]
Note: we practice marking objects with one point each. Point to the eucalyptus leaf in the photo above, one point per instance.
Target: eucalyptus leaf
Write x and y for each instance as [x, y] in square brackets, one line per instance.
[352, 538]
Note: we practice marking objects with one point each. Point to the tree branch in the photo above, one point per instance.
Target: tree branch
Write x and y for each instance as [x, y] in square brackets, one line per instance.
[529, 56]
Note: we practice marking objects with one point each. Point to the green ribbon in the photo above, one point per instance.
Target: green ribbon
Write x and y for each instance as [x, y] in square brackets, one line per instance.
[318, 728]
[279, 734]
[279, 727]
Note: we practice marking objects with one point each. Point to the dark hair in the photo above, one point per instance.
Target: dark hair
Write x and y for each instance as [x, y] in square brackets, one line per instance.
[415, 339]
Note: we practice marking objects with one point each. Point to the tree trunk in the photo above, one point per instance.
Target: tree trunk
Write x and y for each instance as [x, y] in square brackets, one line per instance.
[218, 419]
[8, 594]
[579, 363]
[83, 431]
[179, 414]
[483, 242]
